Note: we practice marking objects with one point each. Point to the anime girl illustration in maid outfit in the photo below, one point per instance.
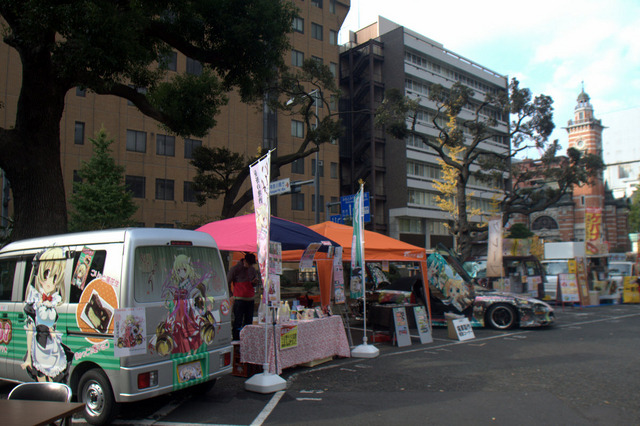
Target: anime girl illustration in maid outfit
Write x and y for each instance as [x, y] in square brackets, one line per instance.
[188, 322]
[47, 359]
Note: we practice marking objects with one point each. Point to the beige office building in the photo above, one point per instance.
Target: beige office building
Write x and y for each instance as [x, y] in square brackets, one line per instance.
[157, 165]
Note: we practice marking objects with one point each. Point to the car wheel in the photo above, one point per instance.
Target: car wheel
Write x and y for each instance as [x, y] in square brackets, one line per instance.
[95, 391]
[501, 317]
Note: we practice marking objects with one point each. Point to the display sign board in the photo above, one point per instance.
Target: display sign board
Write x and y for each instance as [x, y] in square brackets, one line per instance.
[463, 329]
[402, 326]
[568, 288]
[288, 336]
[422, 322]
[583, 285]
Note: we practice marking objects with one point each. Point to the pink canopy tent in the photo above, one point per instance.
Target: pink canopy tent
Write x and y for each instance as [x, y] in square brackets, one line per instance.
[239, 234]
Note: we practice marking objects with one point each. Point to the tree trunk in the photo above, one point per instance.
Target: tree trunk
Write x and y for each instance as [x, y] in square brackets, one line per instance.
[31, 155]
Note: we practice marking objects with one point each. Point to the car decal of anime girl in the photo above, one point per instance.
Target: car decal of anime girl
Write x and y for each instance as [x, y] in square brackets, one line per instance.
[189, 322]
[47, 359]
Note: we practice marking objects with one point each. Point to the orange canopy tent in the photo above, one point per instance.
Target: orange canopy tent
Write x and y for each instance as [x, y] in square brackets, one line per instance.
[377, 247]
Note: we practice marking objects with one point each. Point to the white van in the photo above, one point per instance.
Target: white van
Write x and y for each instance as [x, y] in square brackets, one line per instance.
[119, 315]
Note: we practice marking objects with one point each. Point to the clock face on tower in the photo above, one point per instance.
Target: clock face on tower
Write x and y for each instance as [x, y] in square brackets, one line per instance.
[580, 144]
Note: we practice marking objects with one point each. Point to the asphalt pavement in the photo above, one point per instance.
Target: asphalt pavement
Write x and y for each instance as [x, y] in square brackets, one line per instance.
[584, 370]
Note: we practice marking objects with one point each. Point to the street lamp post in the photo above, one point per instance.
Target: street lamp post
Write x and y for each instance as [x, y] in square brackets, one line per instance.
[316, 178]
[317, 171]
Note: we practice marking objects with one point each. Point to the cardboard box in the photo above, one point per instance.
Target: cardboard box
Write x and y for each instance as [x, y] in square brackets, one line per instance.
[243, 369]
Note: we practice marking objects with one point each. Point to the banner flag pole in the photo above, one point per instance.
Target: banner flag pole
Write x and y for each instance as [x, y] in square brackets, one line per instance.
[358, 266]
[265, 382]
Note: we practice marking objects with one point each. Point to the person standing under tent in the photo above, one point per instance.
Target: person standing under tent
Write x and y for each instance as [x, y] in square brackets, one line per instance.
[242, 278]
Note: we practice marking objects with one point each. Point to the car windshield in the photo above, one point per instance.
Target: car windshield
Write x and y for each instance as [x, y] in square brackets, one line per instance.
[476, 268]
[556, 268]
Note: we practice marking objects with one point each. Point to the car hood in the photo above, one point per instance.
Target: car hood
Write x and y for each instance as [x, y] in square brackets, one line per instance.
[497, 296]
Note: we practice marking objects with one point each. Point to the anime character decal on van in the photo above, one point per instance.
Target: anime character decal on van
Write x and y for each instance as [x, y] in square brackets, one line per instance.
[47, 359]
[189, 322]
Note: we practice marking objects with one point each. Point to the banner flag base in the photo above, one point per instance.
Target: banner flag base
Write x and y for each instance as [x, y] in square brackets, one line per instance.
[265, 383]
[365, 351]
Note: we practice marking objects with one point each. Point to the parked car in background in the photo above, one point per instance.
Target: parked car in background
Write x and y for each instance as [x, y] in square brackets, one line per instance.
[452, 290]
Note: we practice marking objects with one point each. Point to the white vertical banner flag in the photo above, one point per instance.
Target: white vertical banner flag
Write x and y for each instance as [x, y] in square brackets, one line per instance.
[357, 248]
[494, 251]
[260, 176]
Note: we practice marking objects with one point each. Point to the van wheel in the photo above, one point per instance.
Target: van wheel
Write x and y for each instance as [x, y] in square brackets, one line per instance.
[501, 317]
[95, 391]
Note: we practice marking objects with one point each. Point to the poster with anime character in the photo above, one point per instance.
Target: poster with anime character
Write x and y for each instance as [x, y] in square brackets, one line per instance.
[82, 268]
[47, 358]
[129, 332]
[189, 323]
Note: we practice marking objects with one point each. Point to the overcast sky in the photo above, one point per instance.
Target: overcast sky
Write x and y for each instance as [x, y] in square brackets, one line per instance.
[550, 46]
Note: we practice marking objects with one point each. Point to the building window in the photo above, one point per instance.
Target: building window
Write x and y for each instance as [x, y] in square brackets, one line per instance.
[333, 37]
[332, 6]
[194, 67]
[298, 24]
[136, 141]
[297, 129]
[164, 189]
[170, 61]
[136, 184]
[166, 145]
[333, 67]
[317, 3]
[297, 58]
[78, 133]
[298, 166]
[316, 31]
[297, 201]
[334, 170]
[81, 92]
[320, 168]
[318, 59]
[189, 194]
[544, 222]
[189, 146]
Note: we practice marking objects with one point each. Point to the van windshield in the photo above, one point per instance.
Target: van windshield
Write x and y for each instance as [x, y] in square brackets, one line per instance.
[556, 268]
[162, 273]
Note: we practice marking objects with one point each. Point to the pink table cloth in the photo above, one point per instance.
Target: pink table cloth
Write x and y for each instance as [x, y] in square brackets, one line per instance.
[317, 339]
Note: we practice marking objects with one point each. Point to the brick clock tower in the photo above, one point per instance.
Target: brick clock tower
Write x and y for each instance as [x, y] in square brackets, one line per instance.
[585, 134]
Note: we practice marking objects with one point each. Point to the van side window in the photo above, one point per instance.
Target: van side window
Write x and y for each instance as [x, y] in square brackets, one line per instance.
[97, 265]
[7, 273]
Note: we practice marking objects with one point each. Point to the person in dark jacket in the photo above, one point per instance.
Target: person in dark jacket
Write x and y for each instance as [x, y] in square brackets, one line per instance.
[242, 279]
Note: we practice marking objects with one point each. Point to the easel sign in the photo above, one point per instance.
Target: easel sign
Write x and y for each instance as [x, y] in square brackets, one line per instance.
[402, 327]
[463, 329]
[422, 323]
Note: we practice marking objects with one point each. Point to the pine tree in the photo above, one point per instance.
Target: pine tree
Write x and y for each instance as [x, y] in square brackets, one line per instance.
[101, 200]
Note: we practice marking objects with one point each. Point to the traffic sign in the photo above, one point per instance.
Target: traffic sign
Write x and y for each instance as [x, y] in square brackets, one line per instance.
[346, 205]
[280, 187]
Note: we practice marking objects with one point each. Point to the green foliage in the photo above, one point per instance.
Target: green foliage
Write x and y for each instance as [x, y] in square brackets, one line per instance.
[101, 200]
[120, 48]
[465, 134]
[519, 231]
[190, 103]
